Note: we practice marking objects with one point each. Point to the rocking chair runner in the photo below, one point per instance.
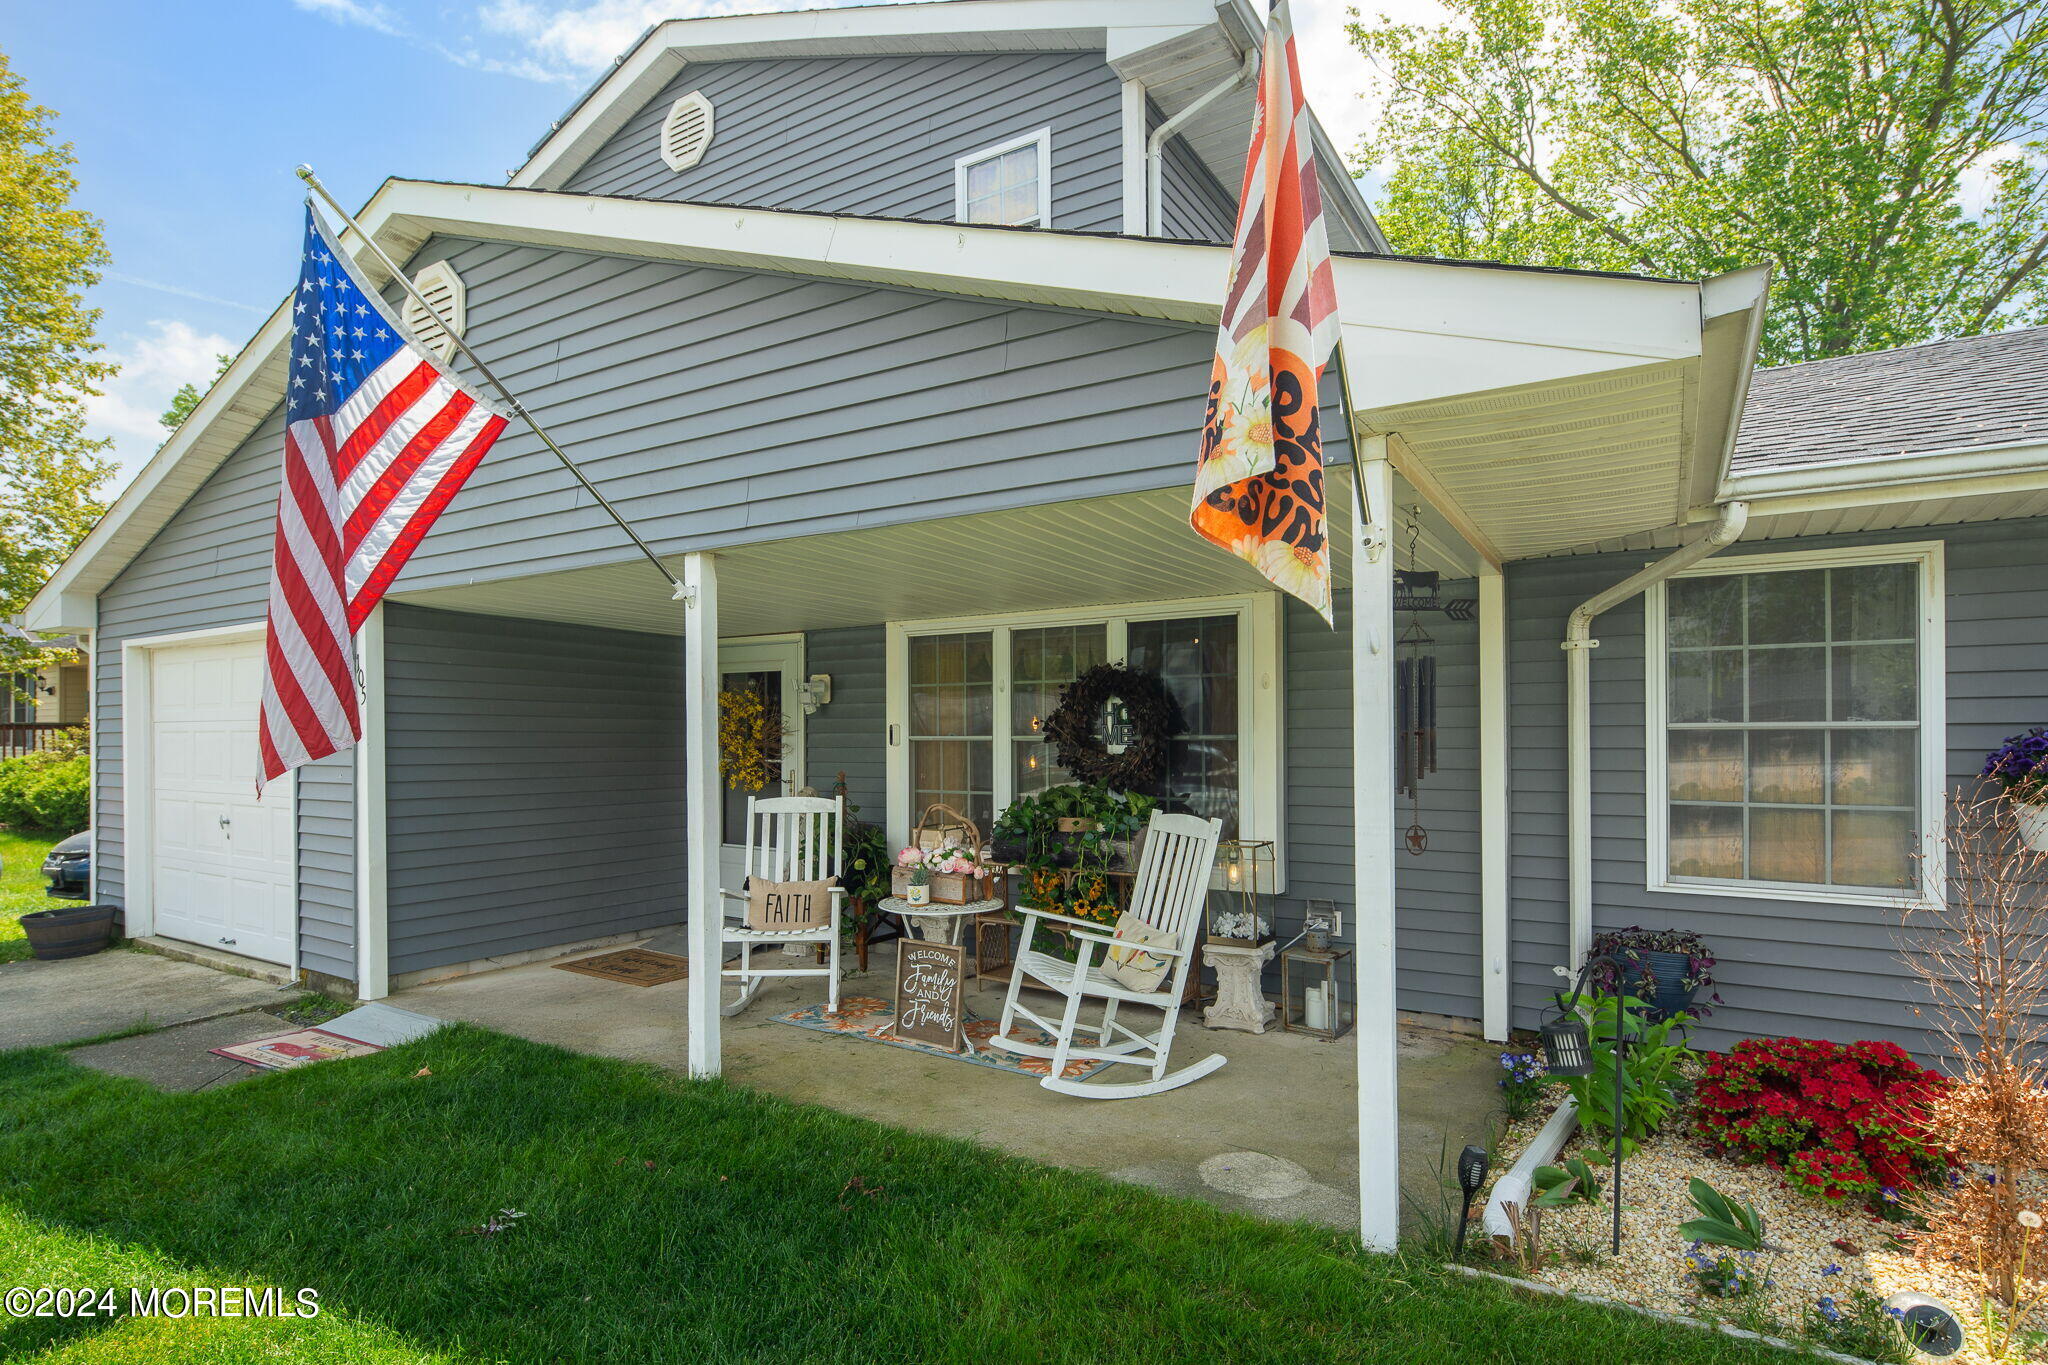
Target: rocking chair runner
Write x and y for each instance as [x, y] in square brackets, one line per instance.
[1173, 877]
[789, 839]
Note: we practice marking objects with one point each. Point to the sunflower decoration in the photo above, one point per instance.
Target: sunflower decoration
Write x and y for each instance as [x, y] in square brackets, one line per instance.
[749, 739]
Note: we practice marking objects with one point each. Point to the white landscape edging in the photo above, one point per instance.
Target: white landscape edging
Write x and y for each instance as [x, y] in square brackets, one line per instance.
[1681, 1319]
[1513, 1188]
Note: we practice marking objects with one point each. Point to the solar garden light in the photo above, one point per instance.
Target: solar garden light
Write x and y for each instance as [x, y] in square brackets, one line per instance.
[1472, 1164]
[1568, 1051]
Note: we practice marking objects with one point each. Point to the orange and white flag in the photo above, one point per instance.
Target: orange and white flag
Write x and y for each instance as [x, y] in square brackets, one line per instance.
[1259, 488]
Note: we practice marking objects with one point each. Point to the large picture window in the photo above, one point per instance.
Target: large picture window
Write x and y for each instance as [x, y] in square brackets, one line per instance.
[969, 700]
[1795, 704]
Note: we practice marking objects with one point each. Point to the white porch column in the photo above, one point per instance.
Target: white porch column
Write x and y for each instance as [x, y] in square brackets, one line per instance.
[1493, 802]
[701, 801]
[1372, 795]
[373, 890]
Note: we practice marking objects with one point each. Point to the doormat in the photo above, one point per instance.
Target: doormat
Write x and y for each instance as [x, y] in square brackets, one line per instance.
[301, 1047]
[873, 1020]
[634, 966]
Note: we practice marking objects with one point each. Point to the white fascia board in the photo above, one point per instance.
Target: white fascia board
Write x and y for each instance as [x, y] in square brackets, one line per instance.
[861, 30]
[1827, 484]
[1732, 309]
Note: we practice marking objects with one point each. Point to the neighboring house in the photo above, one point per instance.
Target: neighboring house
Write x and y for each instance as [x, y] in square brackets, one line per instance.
[35, 707]
[891, 328]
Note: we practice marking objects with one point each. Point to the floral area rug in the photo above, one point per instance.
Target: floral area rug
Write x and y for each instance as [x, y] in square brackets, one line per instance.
[874, 1019]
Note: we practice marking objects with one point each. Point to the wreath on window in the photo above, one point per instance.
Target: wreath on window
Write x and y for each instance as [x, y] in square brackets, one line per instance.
[1112, 727]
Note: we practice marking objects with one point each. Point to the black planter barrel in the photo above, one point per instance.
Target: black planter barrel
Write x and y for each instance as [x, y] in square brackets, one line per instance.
[74, 931]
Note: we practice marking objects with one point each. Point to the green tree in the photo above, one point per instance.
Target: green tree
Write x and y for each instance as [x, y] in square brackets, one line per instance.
[187, 397]
[51, 472]
[1840, 142]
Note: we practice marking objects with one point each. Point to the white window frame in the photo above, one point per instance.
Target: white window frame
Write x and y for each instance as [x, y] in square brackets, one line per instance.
[1261, 810]
[1043, 137]
[1932, 707]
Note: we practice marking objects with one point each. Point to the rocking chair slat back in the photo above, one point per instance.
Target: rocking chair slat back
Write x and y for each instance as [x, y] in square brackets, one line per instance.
[794, 838]
[1173, 873]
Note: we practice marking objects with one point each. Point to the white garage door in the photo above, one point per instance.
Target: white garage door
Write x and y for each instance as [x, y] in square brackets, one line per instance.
[223, 866]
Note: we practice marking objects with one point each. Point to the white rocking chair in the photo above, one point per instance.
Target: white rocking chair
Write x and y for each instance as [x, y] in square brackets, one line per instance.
[789, 839]
[1173, 878]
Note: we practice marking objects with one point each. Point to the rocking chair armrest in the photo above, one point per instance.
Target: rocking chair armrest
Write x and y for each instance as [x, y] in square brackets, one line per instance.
[1110, 941]
[1095, 925]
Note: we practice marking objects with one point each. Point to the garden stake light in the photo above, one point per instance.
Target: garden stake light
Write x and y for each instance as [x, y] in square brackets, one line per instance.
[1472, 1165]
[1568, 1051]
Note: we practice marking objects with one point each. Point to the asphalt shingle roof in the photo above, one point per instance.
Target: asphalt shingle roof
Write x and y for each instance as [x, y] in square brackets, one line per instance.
[1940, 395]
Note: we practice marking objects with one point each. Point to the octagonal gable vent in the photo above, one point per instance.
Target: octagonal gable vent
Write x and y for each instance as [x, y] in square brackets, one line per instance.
[437, 327]
[686, 132]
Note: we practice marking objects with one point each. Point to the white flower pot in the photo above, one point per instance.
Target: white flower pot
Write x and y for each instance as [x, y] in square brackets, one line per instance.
[918, 895]
[2033, 825]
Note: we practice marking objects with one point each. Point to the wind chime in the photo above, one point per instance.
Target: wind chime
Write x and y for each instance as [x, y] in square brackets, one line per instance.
[1415, 591]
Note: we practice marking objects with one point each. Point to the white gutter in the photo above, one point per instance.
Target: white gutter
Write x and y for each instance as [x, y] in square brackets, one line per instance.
[1578, 644]
[1155, 190]
[1910, 474]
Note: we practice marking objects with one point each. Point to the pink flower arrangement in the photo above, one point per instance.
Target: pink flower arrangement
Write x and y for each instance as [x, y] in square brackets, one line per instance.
[939, 860]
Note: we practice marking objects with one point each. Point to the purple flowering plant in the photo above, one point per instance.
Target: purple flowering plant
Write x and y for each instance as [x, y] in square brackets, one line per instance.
[2021, 766]
[1627, 946]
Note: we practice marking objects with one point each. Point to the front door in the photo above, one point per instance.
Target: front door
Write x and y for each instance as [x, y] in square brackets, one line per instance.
[221, 861]
[770, 669]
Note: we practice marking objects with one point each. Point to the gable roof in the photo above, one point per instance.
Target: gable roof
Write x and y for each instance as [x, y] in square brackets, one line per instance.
[1178, 49]
[1915, 400]
[1418, 333]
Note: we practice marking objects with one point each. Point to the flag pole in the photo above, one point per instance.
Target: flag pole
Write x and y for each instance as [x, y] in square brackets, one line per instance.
[681, 594]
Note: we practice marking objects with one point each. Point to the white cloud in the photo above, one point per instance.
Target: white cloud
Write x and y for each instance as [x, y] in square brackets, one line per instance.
[371, 16]
[154, 367]
[584, 35]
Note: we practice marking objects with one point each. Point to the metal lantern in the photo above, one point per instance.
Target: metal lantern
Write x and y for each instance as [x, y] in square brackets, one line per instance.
[1567, 1046]
[1241, 894]
[1317, 1007]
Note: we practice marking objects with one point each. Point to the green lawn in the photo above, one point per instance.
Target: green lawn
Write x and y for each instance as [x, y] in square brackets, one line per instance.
[675, 1221]
[21, 888]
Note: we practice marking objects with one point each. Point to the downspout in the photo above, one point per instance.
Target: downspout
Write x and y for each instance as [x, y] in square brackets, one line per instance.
[1155, 192]
[1578, 646]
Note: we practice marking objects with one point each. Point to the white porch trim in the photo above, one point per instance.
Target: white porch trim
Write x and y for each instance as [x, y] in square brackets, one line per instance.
[1494, 829]
[373, 889]
[702, 807]
[1372, 777]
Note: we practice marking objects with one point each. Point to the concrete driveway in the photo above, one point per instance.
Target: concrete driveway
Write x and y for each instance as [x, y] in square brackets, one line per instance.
[46, 1003]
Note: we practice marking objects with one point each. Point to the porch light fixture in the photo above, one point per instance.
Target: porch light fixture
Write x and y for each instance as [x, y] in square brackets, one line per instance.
[1472, 1168]
[1240, 905]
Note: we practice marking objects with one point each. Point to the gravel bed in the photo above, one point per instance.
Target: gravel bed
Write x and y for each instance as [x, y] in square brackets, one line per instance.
[1651, 1271]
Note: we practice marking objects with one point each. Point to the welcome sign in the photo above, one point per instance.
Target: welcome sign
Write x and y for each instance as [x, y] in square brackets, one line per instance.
[788, 906]
[928, 981]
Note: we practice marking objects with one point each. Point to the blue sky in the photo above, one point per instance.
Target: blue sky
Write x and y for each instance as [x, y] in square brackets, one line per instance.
[189, 118]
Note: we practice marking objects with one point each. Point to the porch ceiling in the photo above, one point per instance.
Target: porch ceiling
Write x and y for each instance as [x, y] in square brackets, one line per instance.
[1132, 548]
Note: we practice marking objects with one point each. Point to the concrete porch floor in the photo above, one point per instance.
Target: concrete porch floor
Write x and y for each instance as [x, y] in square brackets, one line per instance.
[1273, 1133]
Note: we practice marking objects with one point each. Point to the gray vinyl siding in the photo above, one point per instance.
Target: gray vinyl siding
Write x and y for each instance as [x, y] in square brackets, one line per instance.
[1786, 967]
[1437, 891]
[327, 868]
[533, 784]
[850, 734]
[877, 136]
[1193, 205]
[721, 407]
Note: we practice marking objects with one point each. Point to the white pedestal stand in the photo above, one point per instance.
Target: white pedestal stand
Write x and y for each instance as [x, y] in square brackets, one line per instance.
[1239, 1002]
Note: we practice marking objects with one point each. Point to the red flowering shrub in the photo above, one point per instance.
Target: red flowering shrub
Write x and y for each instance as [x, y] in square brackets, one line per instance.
[1839, 1119]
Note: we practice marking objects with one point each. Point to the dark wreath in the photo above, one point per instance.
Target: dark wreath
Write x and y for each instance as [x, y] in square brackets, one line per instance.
[1155, 719]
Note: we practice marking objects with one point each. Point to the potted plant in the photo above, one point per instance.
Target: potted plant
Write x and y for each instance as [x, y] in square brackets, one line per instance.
[2020, 765]
[1667, 969]
[919, 892]
[74, 931]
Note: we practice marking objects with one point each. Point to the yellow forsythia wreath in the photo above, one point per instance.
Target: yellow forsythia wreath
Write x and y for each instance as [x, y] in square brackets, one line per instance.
[749, 739]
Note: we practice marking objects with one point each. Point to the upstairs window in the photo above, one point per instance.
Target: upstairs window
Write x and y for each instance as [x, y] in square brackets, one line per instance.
[1796, 741]
[1009, 185]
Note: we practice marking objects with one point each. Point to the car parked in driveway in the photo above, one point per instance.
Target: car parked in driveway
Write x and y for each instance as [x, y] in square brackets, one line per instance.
[69, 868]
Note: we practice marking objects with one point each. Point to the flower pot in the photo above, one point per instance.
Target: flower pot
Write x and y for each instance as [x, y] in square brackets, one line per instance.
[1668, 971]
[75, 931]
[2033, 822]
[918, 895]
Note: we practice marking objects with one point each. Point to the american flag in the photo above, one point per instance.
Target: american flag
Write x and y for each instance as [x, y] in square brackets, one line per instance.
[379, 435]
[1259, 487]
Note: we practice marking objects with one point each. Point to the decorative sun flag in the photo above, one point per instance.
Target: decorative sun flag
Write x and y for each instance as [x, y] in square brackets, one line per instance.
[379, 436]
[1259, 488]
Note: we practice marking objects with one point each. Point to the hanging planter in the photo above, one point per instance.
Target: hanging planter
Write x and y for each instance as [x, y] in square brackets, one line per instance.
[2020, 766]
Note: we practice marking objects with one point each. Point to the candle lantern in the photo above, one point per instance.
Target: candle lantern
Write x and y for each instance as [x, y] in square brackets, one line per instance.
[1241, 894]
[1309, 999]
